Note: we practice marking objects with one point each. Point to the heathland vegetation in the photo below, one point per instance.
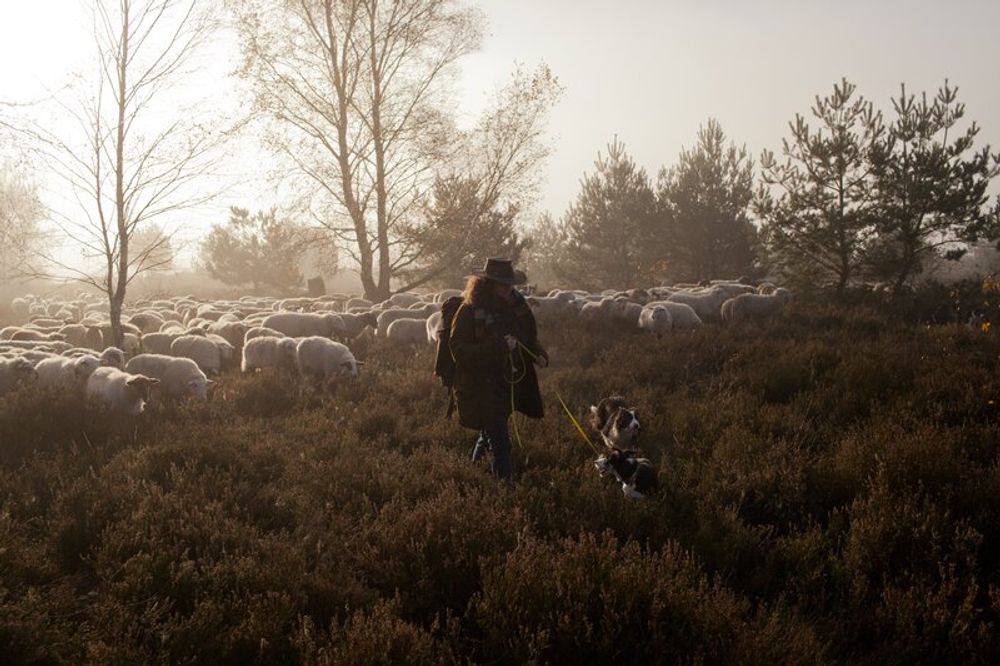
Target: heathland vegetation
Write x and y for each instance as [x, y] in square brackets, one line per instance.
[830, 494]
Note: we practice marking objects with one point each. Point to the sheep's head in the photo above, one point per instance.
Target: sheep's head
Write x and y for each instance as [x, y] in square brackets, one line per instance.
[659, 313]
[24, 370]
[114, 357]
[198, 387]
[84, 366]
[336, 325]
[140, 386]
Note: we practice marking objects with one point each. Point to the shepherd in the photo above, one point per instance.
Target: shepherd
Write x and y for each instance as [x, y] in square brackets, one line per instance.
[494, 344]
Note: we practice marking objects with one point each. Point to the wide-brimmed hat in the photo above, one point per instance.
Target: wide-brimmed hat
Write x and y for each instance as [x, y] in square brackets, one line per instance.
[501, 270]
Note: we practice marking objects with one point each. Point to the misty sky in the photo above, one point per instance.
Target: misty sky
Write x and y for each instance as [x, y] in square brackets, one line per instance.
[649, 71]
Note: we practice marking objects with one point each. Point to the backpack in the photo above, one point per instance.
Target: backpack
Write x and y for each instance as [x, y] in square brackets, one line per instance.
[444, 364]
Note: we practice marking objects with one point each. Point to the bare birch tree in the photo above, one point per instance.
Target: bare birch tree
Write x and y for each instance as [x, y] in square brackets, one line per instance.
[358, 94]
[136, 152]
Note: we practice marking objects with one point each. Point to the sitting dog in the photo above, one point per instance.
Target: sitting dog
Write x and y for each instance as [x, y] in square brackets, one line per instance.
[637, 475]
[616, 421]
[619, 427]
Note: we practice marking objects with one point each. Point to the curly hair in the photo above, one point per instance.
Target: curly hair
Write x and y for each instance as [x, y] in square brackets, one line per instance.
[477, 290]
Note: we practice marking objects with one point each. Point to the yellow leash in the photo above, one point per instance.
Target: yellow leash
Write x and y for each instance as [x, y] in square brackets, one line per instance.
[562, 402]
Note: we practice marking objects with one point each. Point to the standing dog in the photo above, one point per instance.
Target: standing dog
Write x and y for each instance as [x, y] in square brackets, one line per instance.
[619, 427]
[616, 421]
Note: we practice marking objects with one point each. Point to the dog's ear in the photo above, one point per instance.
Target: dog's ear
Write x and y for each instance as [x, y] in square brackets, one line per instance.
[593, 410]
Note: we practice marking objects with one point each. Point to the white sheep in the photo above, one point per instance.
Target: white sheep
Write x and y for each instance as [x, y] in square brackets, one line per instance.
[113, 357]
[655, 319]
[61, 372]
[404, 299]
[179, 378]
[324, 360]
[755, 306]
[386, 317]
[355, 322]
[682, 317]
[232, 331]
[158, 343]
[445, 294]
[148, 322]
[14, 372]
[626, 311]
[261, 332]
[407, 331]
[269, 352]
[305, 324]
[125, 394]
[547, 308]
[705, 304]
[203, 351]
[432, 326]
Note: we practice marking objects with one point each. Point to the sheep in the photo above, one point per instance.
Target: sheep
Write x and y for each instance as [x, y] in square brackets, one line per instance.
[305, 324]
[34, 335]
[148, 322]
[626, 311]
[269, 352]
[66, 373]
[33, 356]
[407, 331]
[232, 331]
[203, 351]
[261, 332]
[227, 352]
[179, 378]
[432, 325]
[357, 322]
[682, 317]
[81, 335]
[357, 303]
[113, 357]
[706, 305]
[386, 317]
[765, 288]
[595, 310]
[125, 394]
[158, 343]
[445, 294]
[404, 299]
[755, 306]
[655, 319]
[323, 360]
[14, 372]
[546, 308]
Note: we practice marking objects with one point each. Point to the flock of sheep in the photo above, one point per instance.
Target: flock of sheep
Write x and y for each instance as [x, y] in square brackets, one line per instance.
[172, 346]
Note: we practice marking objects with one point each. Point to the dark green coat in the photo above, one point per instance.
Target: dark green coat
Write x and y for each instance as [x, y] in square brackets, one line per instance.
[483, 373]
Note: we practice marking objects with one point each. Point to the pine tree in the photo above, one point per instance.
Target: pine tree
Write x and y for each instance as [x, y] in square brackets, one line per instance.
[611, 226]
[705, 200]
[931, 190]
[817, 207]
[258, 250]
[459, 231]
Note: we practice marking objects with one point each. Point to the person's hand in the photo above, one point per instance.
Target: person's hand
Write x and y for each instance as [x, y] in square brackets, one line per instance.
[542, 361]
[511, 342]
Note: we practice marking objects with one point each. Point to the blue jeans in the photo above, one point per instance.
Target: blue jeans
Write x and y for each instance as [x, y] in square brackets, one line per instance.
[496, 438]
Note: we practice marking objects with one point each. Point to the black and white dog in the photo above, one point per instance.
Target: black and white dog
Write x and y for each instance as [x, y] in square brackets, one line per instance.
[619, 427]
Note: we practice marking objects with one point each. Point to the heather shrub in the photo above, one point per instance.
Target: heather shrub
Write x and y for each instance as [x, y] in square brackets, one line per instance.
[593, 599]
[828, 493]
